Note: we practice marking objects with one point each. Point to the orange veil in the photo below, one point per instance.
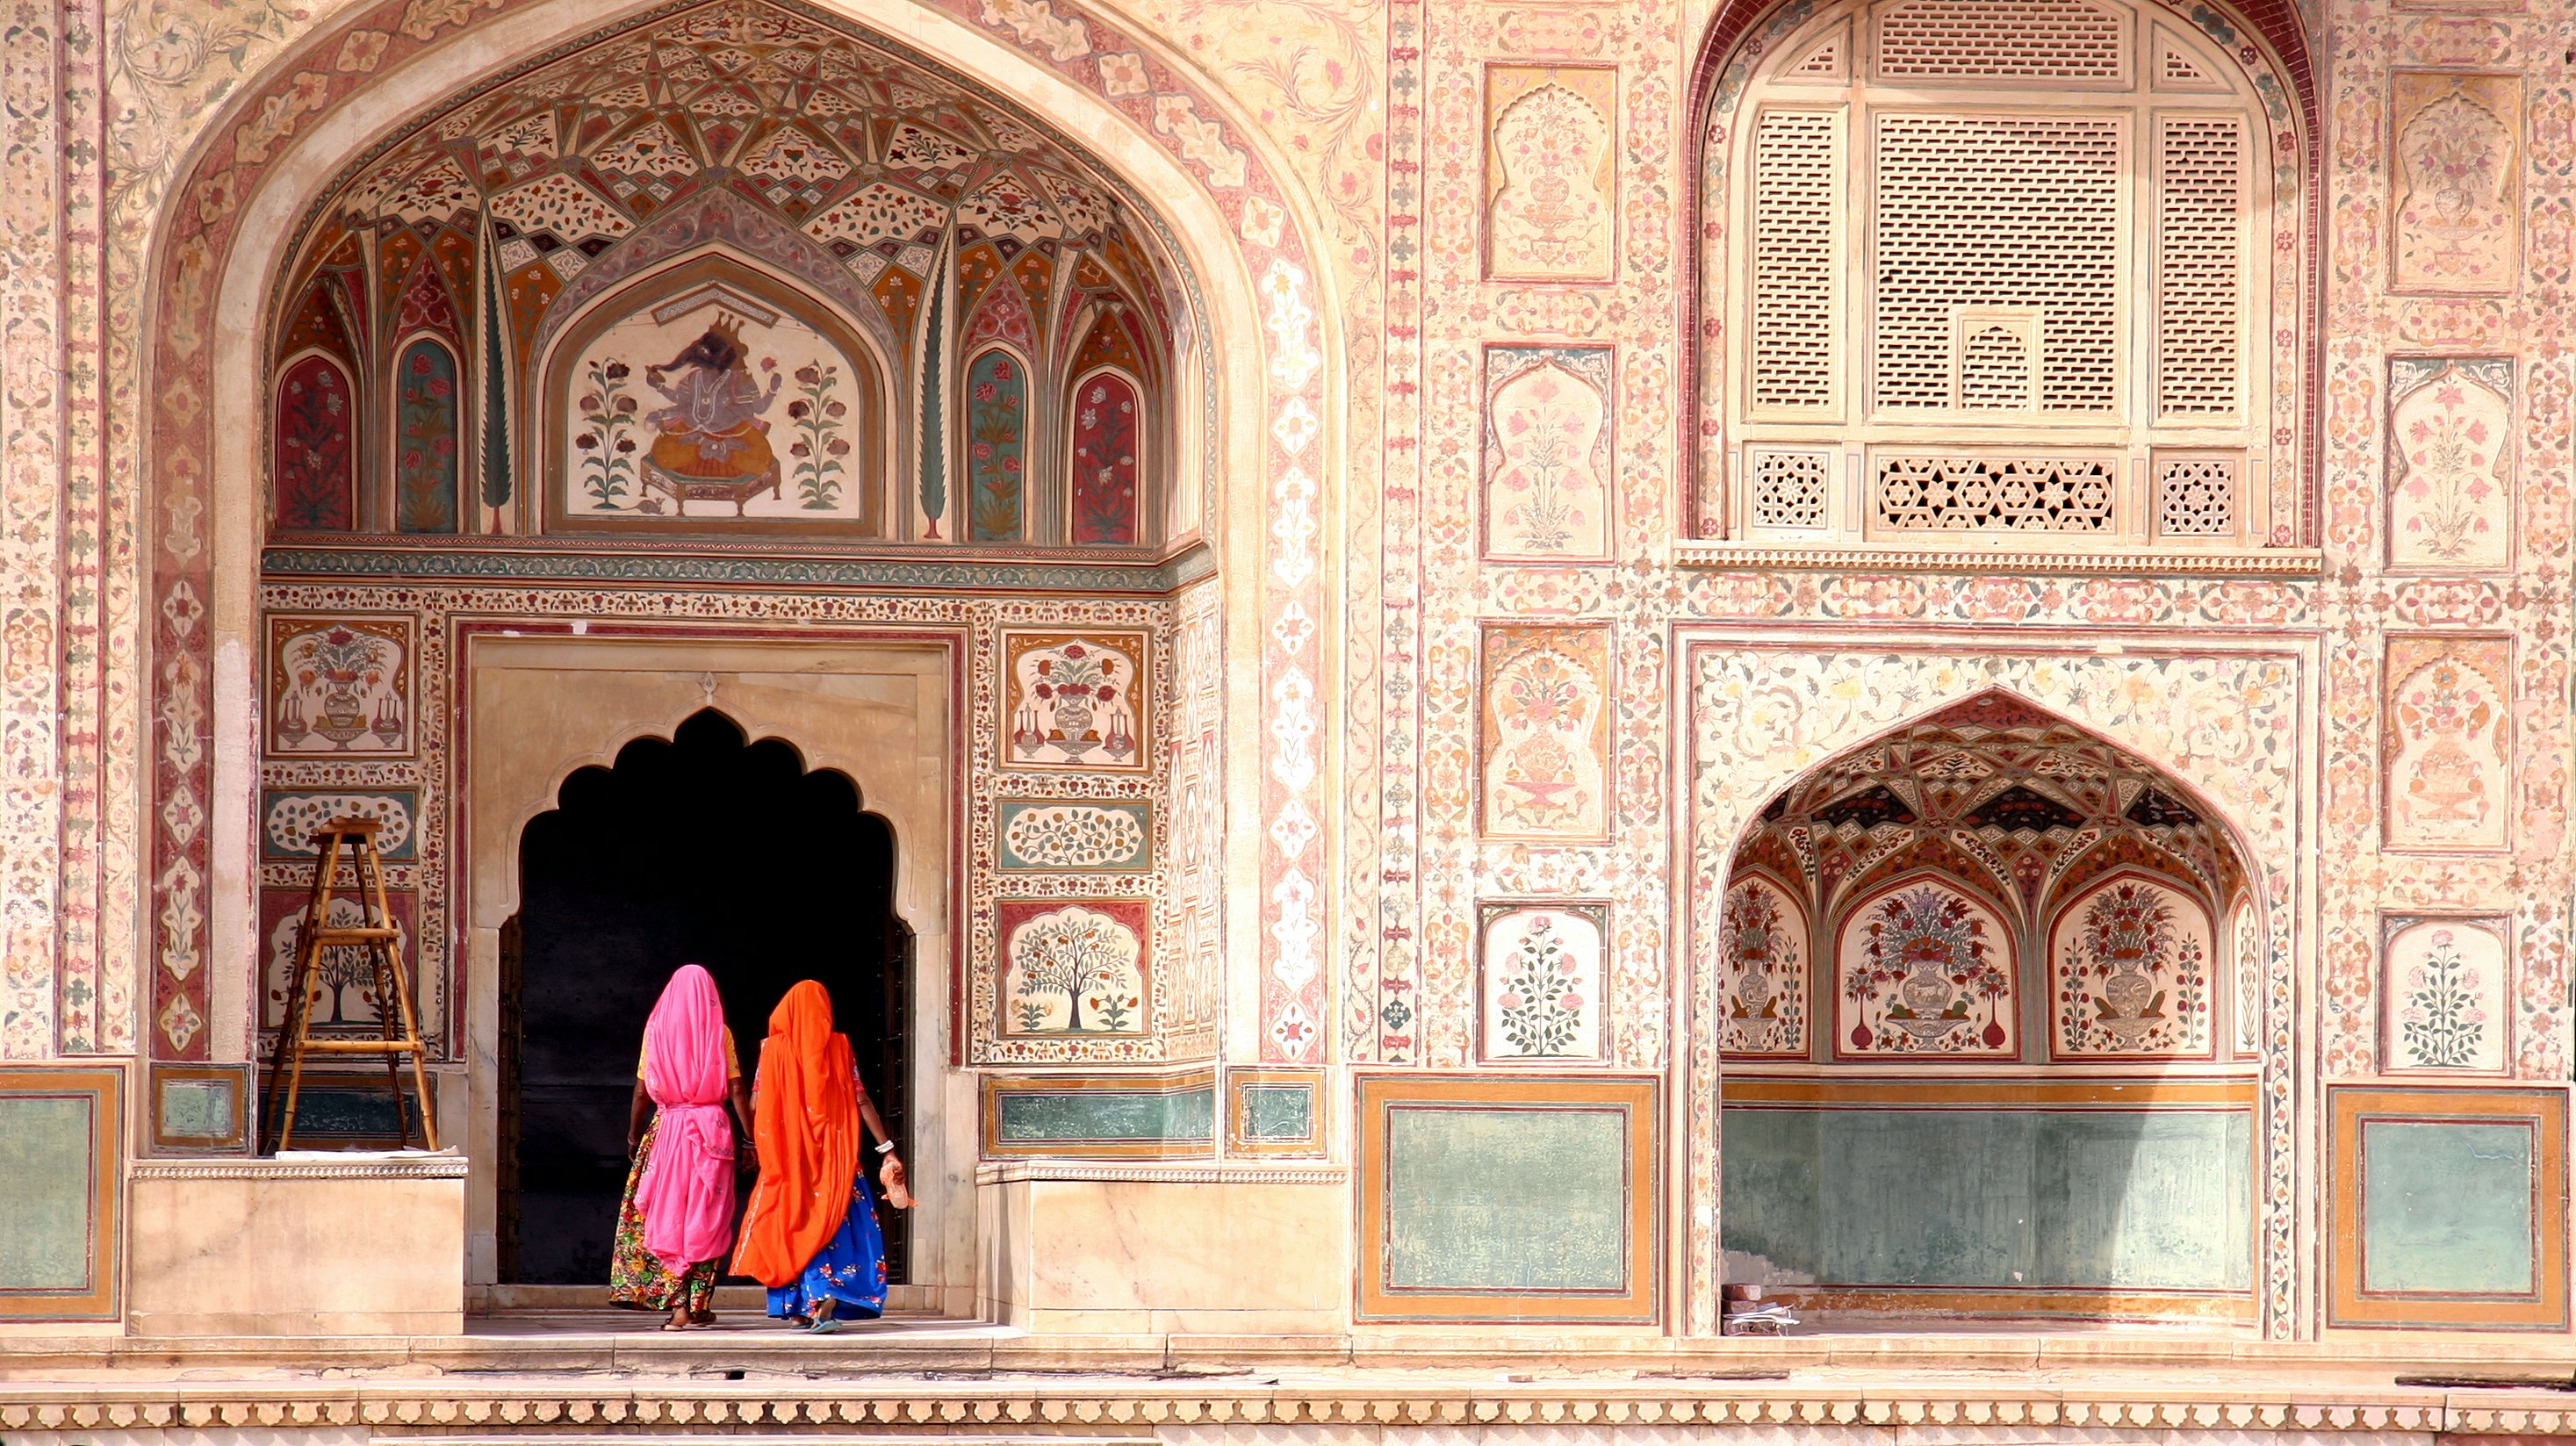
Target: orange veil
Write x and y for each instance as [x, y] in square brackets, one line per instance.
[806, 1121]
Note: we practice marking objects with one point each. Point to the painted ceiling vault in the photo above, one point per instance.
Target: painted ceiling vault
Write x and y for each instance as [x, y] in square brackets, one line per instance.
[1992, 791]
[854, 171]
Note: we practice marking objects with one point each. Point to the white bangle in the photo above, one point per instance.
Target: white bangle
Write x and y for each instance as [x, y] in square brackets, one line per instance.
[886, 1149]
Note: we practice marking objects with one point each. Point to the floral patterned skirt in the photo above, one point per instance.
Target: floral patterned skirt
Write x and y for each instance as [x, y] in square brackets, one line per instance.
[637, 1279]
[850, 1269]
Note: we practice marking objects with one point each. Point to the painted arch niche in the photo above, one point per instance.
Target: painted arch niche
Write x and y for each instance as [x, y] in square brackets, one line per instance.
[715, 397]
[923, 237]
[1972, 970]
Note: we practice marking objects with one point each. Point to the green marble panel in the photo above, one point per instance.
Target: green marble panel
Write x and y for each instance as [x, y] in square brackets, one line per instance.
[1506, 1200]
[197, 1109]
[2101, 1199]
[2446, 1207]
[45, 1163]
[1278, 1111]
[1106, 1116]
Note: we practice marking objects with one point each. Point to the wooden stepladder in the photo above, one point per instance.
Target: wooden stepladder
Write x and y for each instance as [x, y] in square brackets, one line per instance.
[382, 969]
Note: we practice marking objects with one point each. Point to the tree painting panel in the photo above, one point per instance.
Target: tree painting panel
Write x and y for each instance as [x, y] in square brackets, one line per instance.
[1072, 968]
[344, 983]
[425, 438]
[997, 430]
[316, 448]
[1105, 415]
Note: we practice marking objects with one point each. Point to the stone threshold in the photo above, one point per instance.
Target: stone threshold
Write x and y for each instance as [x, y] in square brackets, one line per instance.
[996, 1410]
[537, 1343]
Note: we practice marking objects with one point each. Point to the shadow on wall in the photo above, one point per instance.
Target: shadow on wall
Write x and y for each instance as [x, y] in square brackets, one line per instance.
[2012, 1083]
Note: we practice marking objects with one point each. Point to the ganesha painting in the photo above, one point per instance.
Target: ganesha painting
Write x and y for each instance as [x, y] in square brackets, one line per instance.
[714, 409]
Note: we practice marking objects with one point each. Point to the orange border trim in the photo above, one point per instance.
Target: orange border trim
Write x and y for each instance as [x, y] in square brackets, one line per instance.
[2348, 1304]
[242, 1078]
[104, 1089]
[1846, 1092]
[2062, 1303]
[1634, 1096]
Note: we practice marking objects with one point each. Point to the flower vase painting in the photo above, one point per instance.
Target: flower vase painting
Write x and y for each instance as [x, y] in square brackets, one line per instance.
[714, 411]
[1926, 970]
[2132, 965]
[340, 687]
[1075, 701]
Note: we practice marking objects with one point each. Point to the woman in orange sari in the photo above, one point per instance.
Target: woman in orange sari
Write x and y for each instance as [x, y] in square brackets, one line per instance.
[810, 1232]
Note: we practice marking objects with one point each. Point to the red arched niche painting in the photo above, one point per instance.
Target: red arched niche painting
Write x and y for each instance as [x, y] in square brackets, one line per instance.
[1104, 460]
[316, 478]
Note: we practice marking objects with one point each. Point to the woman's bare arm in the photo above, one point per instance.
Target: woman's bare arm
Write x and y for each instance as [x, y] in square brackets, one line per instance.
[638, 1110]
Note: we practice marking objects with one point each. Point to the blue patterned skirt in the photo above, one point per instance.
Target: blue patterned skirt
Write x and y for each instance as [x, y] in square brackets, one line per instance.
[849, 1270]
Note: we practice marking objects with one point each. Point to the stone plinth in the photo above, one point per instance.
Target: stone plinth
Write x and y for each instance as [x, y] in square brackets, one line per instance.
[367, 1245]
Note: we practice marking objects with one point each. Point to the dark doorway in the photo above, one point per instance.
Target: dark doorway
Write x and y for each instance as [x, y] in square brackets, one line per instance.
[703, 848]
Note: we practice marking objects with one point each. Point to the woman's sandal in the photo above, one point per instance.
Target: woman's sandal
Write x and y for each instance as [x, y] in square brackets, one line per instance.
[829, 1325]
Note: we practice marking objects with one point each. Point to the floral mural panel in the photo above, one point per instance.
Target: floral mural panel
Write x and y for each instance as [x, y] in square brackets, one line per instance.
[1045, 835]
[2246, 931]
[2130, 963]
[426, 438]
[1762, 937]
[1076, 701]
[1547, 454]
[1925, 968]
[316, 457]
[2443, 999]
[997, 436]
[1073, 969]
[1545, 746]
[1549, 178]
[1540, 975]
[2456, 222]
[713, 409]
[344, 994]
[2450, 464]
[340, 687]
[1106, 447]
[288, 817]
[2447, 732]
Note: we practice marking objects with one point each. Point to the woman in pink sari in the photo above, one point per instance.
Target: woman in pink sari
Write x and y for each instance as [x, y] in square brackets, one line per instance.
[676, 1221]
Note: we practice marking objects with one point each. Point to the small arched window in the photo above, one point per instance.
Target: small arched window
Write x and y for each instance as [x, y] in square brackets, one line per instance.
[1999, 273]
[426, 438]
[997, 446]
[315, 452]
[1108, 443]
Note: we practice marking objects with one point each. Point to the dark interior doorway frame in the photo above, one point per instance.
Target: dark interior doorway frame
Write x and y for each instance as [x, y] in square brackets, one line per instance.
[704, 847]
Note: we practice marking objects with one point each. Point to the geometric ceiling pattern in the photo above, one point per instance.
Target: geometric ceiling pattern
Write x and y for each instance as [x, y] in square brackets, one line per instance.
[846, 150]
[2013, 800]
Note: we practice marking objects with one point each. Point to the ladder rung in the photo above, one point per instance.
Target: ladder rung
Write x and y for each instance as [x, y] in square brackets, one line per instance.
[353, 935]
[363, 1046]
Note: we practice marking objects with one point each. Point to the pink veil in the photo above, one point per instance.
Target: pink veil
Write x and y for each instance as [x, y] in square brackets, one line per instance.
[686, 1194]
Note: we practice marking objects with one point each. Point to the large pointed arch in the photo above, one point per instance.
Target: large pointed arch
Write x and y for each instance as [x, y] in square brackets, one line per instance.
[268, 153]
[1988, 886]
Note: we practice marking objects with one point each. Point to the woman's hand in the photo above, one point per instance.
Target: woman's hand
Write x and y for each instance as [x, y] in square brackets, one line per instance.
[898, 1192]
